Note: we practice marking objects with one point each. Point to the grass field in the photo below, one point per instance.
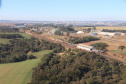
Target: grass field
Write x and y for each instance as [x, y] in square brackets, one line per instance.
[4, 41]
[119, 51]
[40, 53]
[21, 72]
[23, 34]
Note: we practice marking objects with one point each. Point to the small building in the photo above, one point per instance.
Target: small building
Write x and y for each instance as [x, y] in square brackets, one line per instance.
[110, 33]
[94, 33]
[80, 32]
[86, 47]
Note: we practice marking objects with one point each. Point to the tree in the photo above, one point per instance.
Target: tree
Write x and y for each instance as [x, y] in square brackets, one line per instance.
[100, 46]
[68, 33]
[121, 47]
[58, 33]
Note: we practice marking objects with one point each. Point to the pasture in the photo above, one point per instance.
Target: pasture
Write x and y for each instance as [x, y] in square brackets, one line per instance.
[20, 72]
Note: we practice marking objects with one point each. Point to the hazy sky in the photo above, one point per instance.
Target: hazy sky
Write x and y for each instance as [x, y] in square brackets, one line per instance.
[63, 10]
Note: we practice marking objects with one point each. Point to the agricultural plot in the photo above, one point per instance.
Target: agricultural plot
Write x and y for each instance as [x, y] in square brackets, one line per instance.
[21, 72]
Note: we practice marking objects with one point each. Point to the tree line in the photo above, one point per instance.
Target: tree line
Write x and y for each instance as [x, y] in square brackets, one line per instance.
[11, 36]
[78, 67]
[107, 30]
[9, 30]
[83, 39]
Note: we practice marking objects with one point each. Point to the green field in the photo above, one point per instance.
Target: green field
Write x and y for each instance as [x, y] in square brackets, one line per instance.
[23, 34]
[40, 53]
[4, 41]
[21, 72]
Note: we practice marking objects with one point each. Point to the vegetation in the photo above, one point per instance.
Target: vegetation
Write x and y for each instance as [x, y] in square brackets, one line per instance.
[25, 35]
[75, 67]
[21, 72]
[17, 49]
[100, 46]
[66, 29]
[83, 39]
[40, 53]
[119, 51]
[58, 33]
[107, 30]
[7, 29]
[11, 36]
[4, 41]
[122, 48]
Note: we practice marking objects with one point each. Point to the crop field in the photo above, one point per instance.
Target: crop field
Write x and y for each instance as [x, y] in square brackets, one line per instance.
[21, 72]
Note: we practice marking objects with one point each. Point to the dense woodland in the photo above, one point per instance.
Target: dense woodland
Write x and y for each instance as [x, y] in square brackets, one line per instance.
[83, 39]
[78, 67]
[66, 29]
[11, 36]
[58, 32]
[17, 49]
[107, 30]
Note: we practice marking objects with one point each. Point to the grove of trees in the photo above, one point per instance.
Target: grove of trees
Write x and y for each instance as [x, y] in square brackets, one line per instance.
[8, 29]
[83, 39]
[100, 46]
[11, 36]
[107, 30]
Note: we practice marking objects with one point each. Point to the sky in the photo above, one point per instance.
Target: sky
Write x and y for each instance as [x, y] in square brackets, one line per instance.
[63, 10]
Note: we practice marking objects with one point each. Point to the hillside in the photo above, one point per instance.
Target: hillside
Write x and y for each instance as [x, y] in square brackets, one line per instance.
[77, 67]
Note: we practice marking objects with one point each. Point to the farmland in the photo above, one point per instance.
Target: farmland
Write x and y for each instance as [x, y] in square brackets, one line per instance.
[19, 73]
